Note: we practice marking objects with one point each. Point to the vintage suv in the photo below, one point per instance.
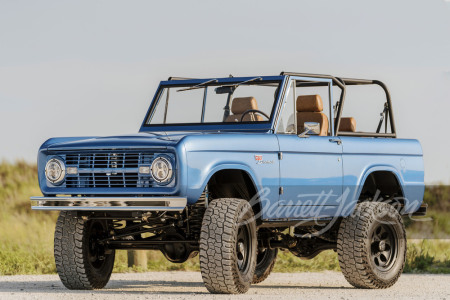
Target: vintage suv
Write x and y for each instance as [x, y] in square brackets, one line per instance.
[234, 169]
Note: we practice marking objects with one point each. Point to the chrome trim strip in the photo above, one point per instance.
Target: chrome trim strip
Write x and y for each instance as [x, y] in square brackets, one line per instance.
[110, 203]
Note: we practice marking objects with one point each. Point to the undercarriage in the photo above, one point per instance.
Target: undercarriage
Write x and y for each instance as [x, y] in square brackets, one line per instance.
[177, 234]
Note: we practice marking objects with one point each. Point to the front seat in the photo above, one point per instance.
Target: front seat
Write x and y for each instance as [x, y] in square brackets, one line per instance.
[239, 106]
[309, 109]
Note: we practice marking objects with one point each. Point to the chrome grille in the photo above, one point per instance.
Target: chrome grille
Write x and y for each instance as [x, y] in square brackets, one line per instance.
[109, 170]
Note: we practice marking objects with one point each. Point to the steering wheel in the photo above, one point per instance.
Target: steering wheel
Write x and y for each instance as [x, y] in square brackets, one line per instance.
[254, 111]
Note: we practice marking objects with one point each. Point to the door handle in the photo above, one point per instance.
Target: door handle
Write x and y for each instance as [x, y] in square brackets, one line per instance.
[338, 141]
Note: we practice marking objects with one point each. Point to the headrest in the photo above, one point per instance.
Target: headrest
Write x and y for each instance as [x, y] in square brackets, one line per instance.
[309, 103]
[347, 124]
[240, 105]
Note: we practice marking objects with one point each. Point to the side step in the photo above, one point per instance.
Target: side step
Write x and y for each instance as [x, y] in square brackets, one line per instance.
[422, 211]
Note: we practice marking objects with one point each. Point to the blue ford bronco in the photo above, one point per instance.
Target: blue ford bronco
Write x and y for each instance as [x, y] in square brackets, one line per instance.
[233, 169]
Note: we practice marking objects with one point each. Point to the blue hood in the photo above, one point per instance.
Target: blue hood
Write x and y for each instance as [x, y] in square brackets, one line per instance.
[131, 141]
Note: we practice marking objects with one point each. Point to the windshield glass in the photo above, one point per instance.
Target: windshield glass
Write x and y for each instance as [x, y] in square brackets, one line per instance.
[249, 101]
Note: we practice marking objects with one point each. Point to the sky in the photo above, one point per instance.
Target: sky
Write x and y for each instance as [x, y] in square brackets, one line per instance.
[89, 68]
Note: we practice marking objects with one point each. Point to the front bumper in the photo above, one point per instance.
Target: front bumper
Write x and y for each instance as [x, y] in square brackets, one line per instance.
[109, 203]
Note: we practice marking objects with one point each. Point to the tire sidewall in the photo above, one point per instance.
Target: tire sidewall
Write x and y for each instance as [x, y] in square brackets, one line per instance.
[391, 218]
[246, 216]
[265, 266]
[104, 272]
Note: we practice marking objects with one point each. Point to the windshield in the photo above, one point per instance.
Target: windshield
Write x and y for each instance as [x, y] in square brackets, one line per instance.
[210, 102]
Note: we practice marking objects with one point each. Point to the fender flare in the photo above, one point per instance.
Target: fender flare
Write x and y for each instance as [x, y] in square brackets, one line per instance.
[376, 168]
[229, 166]
[366, 174]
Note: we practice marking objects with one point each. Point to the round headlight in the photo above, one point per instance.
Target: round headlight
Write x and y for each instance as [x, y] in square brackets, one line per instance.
[55, 170]
[161, 169]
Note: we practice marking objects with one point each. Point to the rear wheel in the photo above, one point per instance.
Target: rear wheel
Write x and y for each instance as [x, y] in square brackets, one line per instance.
[372, 246]
[265, 261]
[81, 262]
[228, 246]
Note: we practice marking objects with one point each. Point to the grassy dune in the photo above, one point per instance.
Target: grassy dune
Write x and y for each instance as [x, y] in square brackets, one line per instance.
[26, 237]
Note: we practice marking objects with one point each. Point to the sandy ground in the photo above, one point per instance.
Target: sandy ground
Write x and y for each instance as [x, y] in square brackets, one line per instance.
[188, 285]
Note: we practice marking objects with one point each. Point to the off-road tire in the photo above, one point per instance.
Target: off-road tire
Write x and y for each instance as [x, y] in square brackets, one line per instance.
[218, 246]
[265, 266]
[71, 248]
[354, 246]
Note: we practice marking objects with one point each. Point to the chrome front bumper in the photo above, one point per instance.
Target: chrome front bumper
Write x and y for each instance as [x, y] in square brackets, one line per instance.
[109, 203]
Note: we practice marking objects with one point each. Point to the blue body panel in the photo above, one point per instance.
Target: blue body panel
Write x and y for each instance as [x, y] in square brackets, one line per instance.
[313, 172]
[310, 174]
[208, 154]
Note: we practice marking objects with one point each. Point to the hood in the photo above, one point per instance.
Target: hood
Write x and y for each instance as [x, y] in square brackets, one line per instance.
[131, 141]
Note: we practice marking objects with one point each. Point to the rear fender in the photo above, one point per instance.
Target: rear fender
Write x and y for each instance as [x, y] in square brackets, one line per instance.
[411, 195]
[351, 193]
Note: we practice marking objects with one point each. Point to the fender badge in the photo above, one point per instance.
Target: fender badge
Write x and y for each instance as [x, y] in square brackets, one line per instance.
[259, 160]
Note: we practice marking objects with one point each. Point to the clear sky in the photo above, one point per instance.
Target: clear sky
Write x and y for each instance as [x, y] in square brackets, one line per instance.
[76, 68]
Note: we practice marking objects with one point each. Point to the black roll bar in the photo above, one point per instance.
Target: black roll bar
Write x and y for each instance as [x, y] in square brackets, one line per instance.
[342, 83]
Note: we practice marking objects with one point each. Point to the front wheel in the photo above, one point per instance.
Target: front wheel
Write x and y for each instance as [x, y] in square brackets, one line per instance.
[81, 262]
[372, 246]
[228, 245]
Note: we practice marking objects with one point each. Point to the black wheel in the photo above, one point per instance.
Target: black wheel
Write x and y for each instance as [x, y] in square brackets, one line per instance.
[228, 246]
[372, 246]
[81, 262]
[265, 261]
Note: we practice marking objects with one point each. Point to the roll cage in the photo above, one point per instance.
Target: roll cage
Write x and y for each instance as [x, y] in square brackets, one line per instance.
[310, 80]
[287, 79]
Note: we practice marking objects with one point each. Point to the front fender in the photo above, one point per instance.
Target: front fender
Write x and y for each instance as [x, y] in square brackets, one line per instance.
[198, 179]
[211, 153]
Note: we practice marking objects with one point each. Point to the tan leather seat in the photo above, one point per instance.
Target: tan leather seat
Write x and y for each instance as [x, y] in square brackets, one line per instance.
[309, 109]
[347, 124]
[239, 106]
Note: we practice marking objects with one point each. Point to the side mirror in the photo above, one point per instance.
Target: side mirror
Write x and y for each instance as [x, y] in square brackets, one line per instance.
[310, 128]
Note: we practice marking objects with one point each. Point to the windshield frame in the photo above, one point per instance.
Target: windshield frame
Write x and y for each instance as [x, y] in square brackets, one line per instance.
[217, 126]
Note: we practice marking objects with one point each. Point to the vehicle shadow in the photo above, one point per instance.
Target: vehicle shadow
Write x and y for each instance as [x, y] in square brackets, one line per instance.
[113, 287]
[138, 287]
[302, 287]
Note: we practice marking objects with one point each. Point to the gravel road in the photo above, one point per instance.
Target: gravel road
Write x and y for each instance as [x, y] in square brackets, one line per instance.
[188, 285]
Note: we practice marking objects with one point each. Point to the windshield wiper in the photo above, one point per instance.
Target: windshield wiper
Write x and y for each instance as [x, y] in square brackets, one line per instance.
[198, 86]
[225, 89]
[250, 80]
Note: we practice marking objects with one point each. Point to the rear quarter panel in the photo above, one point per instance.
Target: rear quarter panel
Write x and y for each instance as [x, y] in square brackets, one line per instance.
[403, 157]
